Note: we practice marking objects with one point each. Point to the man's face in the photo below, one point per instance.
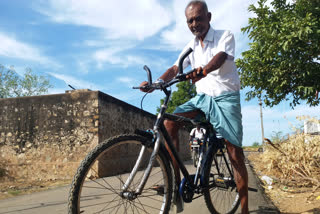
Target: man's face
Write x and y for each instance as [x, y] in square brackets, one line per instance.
[198, 20]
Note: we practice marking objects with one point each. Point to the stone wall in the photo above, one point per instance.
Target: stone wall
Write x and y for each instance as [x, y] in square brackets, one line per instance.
[62, 119]
[45, 137]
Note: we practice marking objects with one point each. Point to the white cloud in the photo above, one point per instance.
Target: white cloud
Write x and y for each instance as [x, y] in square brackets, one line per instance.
[231, 15]
[12, 48]
[179, 35]
[126, 79]
[76, 83]
[121, 57]
[57, 90]
[128, 82]
[303, 110]
[120, 19]
[116, 57]
[277, 119]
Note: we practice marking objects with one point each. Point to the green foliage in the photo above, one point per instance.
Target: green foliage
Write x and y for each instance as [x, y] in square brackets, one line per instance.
[255, 144]
[184, 93]
[283, 60]
[277, 137]
[13, 85]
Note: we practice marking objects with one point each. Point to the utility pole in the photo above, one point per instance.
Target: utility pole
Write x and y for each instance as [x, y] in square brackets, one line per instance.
[261, 119]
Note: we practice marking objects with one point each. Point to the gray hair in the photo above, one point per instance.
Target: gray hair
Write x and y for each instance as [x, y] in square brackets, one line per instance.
[199, 2]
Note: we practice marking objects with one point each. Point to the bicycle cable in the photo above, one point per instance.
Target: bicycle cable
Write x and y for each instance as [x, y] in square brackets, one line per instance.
[143, 99]
[145, 96]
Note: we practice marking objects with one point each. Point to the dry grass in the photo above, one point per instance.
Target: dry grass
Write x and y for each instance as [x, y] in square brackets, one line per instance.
[296, 161]
[294, 166]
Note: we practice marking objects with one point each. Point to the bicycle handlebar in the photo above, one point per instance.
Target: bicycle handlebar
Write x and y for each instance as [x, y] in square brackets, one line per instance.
[148, 74]
[178, 78]
[184, 55]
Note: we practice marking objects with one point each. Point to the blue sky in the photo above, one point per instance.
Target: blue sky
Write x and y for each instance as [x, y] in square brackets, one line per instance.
[103, 45]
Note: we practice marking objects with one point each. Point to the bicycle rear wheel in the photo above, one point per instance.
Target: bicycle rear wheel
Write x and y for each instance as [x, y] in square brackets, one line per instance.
[97, 185]
[221, 193]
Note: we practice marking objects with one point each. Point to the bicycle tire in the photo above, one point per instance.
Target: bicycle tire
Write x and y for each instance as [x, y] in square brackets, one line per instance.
[195, 158]
[220, 197]
[99, 191]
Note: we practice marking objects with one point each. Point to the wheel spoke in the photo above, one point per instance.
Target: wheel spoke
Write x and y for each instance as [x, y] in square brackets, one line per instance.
[95, 191]
[221, 195]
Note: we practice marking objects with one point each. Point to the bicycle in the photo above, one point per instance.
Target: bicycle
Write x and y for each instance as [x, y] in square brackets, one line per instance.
[133, 172]
[196, 146]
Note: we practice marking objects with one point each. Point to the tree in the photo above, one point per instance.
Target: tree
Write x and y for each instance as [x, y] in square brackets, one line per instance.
[184, 93]
[283, 60]
[255, 144]
[277, 137]
[13, 85]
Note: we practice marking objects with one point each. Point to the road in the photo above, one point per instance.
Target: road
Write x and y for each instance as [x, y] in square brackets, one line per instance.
[54, 201]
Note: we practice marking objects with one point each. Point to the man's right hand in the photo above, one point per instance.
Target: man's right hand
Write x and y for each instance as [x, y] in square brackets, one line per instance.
[145, 83]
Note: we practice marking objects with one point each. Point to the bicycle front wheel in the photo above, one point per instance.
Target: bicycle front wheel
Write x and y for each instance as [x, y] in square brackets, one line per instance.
[195, 157]
[98, 184]
[220, 191]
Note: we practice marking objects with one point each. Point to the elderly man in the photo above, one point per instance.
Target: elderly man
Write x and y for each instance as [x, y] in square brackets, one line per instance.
[218, 88]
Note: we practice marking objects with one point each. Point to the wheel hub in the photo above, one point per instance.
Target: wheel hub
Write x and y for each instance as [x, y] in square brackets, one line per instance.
[129, 195]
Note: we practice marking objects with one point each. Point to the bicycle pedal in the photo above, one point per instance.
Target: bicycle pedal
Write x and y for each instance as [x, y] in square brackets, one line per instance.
[224, 182]
[252, 189]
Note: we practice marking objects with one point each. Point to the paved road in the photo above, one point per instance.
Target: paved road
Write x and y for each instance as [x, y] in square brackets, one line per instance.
[54, 201]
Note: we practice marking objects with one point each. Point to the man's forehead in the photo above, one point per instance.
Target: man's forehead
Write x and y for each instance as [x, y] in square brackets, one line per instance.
[195, 8]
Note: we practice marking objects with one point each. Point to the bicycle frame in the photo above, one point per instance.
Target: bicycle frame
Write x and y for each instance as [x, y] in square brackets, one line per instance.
[159, 127]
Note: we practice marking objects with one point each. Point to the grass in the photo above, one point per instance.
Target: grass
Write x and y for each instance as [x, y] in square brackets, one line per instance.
[14, 192]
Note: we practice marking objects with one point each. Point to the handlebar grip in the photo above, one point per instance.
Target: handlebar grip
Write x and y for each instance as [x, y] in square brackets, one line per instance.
[199, 75]
[189, 72]
[148, 73]
[184, 55]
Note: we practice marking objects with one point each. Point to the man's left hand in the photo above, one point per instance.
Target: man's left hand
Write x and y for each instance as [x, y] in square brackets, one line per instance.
[198, 74]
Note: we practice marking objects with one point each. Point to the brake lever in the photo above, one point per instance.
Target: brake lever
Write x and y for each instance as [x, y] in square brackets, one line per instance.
[156, 85]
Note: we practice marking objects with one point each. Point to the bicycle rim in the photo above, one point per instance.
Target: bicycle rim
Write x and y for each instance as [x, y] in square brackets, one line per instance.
[221, 196]
[97, 186]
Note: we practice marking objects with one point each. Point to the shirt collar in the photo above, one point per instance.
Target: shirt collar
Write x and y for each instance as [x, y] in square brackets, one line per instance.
[208, 38]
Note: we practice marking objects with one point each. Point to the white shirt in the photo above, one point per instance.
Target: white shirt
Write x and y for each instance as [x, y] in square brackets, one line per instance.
[226, 78]
[198, 133]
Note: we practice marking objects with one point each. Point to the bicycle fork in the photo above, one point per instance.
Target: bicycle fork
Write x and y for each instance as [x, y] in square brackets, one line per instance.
[198, 168]
[153, 156]
[137, 165]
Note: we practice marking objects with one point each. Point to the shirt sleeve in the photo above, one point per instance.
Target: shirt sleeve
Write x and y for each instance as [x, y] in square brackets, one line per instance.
[192, 132]
[227, 43]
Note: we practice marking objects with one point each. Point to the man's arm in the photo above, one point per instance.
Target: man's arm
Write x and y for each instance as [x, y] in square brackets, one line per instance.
[170, 73]
[192, 134]
[215, 63]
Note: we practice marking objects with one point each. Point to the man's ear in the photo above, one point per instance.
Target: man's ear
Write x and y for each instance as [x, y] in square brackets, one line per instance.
[209, 16]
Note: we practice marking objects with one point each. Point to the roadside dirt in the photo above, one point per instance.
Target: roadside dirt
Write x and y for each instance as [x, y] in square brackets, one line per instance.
[288, 199]
[13, 188]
